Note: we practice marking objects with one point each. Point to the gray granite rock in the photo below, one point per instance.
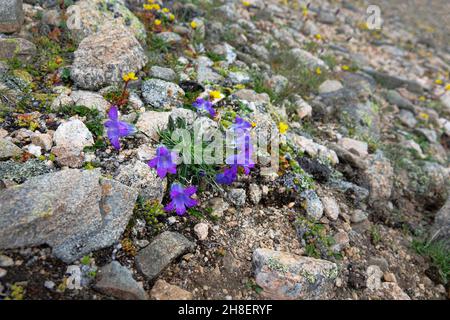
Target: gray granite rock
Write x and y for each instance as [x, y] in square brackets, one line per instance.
[11, 16]
[162, 94]
[18, 48]
[9, 150]
[73, 211]
[117, 281]
[165, 248]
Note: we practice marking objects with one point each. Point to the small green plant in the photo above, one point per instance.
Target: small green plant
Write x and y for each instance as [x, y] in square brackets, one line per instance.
[438, 253]
[317, 242]
[86, 260]
[17, 292]
[375, 235]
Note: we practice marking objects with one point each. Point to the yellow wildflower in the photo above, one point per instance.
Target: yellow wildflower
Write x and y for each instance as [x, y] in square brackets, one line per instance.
[165, 10]
[246, 3]
[422, 98]
[318, 36]
[318, 71]
[239, 86]
[193, 24]
[345, 68]
[283, 127]
[215, 94]
[438, 81]
[151, 1]
[152, 6]
[157, 22]
[305, 11]
[447, 87]
[253, 124]
[171, 17]
[129, 76]
[424, 116]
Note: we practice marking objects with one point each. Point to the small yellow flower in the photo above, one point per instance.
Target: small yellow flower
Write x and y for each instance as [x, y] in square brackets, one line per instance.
[318, 71]
[246, 3]
[147, 6]
[193, 24]
[151, 1]
[283, 127]
[305, 11]
[422, 98]
[165, 10]
[318, 36]
[239, 86]
[438, 81]
[129, 76]
[157, 22]
[345, 68]
[152, 6]
[171, 17]
[447, 87]
[424, 116]
[253, 124]
[215, 95]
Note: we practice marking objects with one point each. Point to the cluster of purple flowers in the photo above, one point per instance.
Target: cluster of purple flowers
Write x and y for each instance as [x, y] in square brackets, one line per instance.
[165, 160]
[242, 157]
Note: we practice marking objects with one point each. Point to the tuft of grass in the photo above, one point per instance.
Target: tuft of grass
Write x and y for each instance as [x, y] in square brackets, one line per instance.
[438, 253]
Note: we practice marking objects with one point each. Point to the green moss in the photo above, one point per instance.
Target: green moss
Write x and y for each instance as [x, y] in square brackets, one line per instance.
[438, 254]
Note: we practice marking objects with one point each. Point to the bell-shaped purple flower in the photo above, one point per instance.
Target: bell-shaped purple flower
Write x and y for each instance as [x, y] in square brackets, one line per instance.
[164, 162]
[228, 176]
[241, 124]
[181, 199]
[116, 129]
[204, 105]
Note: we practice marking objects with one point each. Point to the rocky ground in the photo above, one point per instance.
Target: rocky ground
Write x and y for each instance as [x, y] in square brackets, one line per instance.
[359, 208]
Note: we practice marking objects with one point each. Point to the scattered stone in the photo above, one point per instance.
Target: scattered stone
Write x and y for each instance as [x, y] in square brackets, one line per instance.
[290, 277]
[71, 210]
[341, 240]
[162, 73]
[277, 83]
[218, 206]
[151, 121]
[440, 230]
[313, 149]
[19, 172]
[330, 86]
[330, 207]
[3, 273]
[360, 148]
[9, 150]
[373, 280]
[70, 139]
[169, 37]
[88, 17]
[50, 285]
[407, 118]
[18, 48]
[358, 216]
[303, 108]
[394, 82]
[389, 277]
[139, 176]
[201, 231]
[165, 248]
[11, 16]
[395, 98]
[310, 201]
[117, 281]
[91, 100]
[43, 140]
[326, 17]
[237, 197]
[73, 281]
[6, 261]
[104, 57]
[162, 94]
[445, 100]
[34, 150]
[254, 193]
[227, 51]
[308, 59]
[380, 178]
[165, 291]
[239, 77]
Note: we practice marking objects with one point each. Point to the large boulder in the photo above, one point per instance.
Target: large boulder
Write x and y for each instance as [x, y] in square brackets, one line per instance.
[86, 17]
[441, 227]
[73, 211]
[11, 16]
[18, 48]
[290, 277]
[104, 57]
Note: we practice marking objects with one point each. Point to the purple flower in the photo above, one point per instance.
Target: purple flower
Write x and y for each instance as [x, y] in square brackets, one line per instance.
[181, 199]
[244, 153]
[204, 105]
[228, 176]
[164, 162]
[241, 124]
[117, 129]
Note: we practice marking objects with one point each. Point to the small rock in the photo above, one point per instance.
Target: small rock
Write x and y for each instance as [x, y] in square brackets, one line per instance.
[50, 285]
[151, 121]
[341, 240]
[395, 98]
[169, 37]
[374, 274]
[117, 281]
[254, 193]
[358, 216]
[389, 277]
[11, 16]
[6, 261]
[3, 273]
[165, 291]
[303, 108]
[44, 140]
[310, 201]
[19, 48]
[162, 73]
[286, 276]
[161, 252]
[357, 147]
[218, 206]
[330, 207]
[237, 196]
[201, 231]
[73, 281]
[34, 150]
[9, 150]
[162, 94]
[407, 118]
[330, 86]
